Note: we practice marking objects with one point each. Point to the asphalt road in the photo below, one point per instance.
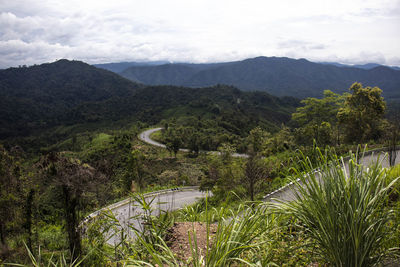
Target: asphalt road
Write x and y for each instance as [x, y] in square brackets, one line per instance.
[287, 192]
[145, 137]
[129, 213]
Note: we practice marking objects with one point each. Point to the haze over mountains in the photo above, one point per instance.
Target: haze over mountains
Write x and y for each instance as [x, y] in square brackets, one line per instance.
[278, 76]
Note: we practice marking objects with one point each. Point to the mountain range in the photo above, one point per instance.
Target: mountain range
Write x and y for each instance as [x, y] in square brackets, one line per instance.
[366, 66]
[67, 93]
[276, 75]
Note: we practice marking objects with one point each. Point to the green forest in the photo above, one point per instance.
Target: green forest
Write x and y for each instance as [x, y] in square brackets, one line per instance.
[69, 146]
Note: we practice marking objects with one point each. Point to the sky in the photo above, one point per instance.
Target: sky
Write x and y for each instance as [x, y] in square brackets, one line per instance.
[198, 31]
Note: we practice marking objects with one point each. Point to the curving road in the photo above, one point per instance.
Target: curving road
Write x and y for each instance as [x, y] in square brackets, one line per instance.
[128, 212]
[285, 193]
[145, 137]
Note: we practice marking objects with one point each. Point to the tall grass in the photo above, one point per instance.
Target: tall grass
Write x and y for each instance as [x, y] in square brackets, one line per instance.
[235, 236]
[38, 261]
[342, 206]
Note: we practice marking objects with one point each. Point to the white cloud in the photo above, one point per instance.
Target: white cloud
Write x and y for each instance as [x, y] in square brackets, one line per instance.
[198, 30]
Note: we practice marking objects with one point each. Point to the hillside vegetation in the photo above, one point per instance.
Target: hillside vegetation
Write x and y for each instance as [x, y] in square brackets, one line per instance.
[67, 93]
[39, 97]
[78, 150]
[277, 76]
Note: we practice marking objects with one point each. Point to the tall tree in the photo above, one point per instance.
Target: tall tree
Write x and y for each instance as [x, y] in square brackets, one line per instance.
[257, 139]
[362, 114]
[173, 140]
[10, 197]
[317, 119]
[255, 171]
[75, 180]
[136, 170]
[391, 137]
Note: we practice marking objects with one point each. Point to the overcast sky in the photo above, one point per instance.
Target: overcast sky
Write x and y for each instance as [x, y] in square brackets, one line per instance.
[346, 31]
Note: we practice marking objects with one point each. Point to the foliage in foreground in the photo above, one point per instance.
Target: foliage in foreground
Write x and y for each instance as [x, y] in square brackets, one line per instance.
[346, 215]
[235, 236]
[345, 221]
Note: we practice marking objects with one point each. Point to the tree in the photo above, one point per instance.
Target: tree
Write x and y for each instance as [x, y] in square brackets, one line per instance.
[192, 138]
[317, 119]
[74, 180]
[254, 172]
[392, 144]
[136, 171]
[10, 196]
[226, 151]
[391, 137]
[280, 141]
[362, 114]
[224, 173]
[173, 141]
[257, 139]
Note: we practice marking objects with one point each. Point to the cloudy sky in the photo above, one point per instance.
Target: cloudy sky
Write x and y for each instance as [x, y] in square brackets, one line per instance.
[96, 31]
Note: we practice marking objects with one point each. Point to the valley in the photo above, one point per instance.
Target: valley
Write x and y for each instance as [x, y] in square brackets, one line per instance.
[76, 139]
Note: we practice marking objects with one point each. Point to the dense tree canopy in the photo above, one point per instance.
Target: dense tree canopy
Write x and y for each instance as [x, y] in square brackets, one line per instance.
[317, 118]
[362, 114]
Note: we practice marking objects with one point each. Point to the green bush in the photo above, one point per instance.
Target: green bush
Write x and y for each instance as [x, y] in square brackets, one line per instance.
[53, 237]
[343, 207]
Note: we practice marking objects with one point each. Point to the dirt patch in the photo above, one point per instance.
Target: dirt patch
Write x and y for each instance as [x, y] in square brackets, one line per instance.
[178, 238]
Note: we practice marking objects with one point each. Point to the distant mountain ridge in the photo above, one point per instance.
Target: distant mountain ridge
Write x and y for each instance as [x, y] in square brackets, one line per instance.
[366, 66]
[276, 75]
[121, 66]
[67, 93]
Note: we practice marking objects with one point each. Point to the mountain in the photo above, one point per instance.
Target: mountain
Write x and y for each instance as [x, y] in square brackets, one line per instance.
[36, 97]
[121, 66]
[277, 76]
[229, 105]
[366, 66]
[67, 93]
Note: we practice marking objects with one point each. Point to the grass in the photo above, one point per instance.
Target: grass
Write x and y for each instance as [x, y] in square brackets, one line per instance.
[346, 214]
[157, 136]
[346, 220]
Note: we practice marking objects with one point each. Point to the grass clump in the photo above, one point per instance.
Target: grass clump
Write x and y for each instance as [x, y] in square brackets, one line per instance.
[342, 206]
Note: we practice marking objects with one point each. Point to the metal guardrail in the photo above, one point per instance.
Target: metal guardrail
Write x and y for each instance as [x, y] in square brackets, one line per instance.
[127, 200]
[286, 186]
[283, 188]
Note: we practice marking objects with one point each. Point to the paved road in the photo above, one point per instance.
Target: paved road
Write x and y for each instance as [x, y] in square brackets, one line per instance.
[145, 137]
[128, 214]
[177, 199]
[287, 192]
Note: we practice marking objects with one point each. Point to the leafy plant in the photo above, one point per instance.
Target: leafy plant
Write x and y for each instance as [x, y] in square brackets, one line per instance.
[342, 206]
[38, 261]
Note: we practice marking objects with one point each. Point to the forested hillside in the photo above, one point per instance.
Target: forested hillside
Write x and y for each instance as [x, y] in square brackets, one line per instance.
[64, 93]
[277, 76]
[39, 96]
[69, 146]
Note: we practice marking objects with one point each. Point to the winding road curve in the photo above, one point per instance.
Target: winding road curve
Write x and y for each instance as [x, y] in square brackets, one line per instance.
[285, 193]
[128, 212]
[145, 137]
[172, 199]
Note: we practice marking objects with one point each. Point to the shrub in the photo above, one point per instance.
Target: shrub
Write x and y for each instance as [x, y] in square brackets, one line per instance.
[342, 206]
